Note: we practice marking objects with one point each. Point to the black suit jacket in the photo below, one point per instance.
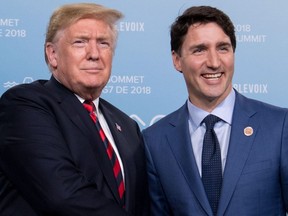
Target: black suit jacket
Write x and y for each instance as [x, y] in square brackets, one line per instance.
[53, 161]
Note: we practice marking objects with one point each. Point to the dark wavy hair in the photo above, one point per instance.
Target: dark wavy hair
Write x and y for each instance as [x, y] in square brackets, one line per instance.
[202, 15]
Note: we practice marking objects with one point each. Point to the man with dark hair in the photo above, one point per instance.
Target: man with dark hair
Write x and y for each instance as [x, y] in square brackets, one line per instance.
[220, 153]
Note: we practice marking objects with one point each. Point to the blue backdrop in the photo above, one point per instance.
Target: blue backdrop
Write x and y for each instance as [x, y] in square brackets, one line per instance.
[144, 83]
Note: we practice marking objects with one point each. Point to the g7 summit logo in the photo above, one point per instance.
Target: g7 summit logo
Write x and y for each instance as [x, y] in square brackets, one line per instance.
[9, 84]
[142, 123]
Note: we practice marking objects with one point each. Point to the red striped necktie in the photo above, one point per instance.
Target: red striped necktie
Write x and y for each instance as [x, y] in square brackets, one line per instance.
[90, 107]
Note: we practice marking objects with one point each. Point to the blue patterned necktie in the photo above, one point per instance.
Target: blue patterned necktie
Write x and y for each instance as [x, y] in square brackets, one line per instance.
[211, 163]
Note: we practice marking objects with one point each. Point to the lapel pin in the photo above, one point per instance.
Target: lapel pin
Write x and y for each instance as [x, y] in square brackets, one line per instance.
[248, 131]
[118, 127]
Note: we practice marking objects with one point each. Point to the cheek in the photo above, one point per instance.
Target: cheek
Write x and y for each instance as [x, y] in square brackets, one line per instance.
[190, 78]
[230, 69]
[107, 57]
[69, 59]
[229, 62]
[192, 68]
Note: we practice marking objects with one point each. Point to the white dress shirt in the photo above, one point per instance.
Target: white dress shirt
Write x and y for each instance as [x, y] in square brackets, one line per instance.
[106, 130]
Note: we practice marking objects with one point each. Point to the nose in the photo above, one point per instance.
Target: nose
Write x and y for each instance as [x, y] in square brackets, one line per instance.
[93, 51]
[213, 59]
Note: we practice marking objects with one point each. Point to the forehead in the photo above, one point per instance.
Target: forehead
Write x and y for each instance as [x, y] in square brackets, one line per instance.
[86, 27]
[208, 32]
[89, 24]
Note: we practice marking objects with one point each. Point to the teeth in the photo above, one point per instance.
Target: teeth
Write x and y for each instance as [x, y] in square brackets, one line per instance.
[212, 76]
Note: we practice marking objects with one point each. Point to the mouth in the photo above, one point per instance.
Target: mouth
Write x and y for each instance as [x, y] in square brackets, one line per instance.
[92, 70]
[213, 76]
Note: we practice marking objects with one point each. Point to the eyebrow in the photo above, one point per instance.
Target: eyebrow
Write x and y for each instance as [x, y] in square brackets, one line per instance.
[197, 46]
[224, 44]
[203, 45]
[83, 34]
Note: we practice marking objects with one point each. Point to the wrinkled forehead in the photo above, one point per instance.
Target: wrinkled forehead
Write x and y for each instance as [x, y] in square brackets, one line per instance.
[85, 26]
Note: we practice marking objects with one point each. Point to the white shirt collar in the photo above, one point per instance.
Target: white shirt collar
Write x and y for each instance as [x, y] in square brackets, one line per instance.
[96, 102]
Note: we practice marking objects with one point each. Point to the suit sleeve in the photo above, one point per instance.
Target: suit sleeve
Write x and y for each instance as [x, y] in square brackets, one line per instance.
[284, 164]
[159, 204]
[35, 156]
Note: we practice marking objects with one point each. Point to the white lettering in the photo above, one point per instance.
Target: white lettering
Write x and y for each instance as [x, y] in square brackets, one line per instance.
[9, 22]
[251, 38]
[243, 28]
[126, 79]
[251, 88]
[131, 26]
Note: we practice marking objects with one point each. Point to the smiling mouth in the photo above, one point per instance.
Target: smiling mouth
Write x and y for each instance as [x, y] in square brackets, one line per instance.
[212, 76]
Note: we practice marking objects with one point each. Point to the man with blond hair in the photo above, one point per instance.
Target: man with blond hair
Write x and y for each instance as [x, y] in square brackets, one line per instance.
[64, 150]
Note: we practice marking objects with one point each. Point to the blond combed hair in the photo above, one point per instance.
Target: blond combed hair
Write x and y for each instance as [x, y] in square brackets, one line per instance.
[68, 14]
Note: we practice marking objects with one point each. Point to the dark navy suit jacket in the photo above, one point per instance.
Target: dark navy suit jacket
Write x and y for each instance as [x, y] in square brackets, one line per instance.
[255, 180]
[52, 159]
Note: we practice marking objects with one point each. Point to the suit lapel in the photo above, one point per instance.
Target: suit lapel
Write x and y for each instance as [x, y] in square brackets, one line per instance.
[78, 115]
[239, 149]
[180, 144]
[68, 103]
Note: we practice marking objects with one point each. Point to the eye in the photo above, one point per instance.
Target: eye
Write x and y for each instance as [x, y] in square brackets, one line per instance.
[224, 48]
[79, 43]
[104, 44]
[198, 50]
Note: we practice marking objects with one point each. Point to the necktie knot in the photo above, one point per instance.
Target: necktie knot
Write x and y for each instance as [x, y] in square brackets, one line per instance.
[210, 121]
[90, 107]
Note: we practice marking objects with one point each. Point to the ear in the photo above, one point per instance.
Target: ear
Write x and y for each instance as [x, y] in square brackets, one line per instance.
[176, 61]
[50, 50]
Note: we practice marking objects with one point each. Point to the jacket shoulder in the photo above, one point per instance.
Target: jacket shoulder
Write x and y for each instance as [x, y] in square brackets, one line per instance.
[25, 90]
[168, 121]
